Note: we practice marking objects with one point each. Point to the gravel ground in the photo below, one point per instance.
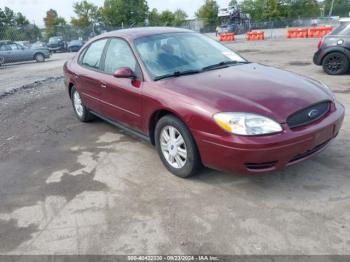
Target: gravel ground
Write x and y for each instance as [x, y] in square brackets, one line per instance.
[73, 188]
[14, 76]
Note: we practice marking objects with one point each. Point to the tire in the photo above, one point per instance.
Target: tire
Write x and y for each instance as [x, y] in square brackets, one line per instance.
[82, 113]
[2, 61]
[39, 57]
[173, 157]
[335, 63]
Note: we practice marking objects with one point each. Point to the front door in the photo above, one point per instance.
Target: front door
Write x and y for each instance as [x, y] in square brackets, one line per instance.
[121, 96]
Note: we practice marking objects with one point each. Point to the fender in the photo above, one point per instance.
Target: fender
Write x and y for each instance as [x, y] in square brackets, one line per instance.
[331, 49]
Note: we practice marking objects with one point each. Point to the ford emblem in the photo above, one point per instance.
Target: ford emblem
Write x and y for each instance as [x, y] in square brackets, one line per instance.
[313, 113]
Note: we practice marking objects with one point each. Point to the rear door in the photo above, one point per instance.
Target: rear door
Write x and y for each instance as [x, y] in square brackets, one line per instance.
[88, 75]
[16, 53]
[25, 53]
[122, 96]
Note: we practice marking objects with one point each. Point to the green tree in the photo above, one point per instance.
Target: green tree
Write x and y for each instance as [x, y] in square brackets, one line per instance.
[233, 3]
[208, 12]
[53, 23]
[125, 12]
[167, 18]
[303, 8]
[7, 17]
[266, 10]
[340, 7]
[16, 27]
[154, 17]
[21, 20]
[87, 14]
[179, 17]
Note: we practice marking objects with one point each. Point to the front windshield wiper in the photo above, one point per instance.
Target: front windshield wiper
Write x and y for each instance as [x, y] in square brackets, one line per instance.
[223, 64]
[178, 73]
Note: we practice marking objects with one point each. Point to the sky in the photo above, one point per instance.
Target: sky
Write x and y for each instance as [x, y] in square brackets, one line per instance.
[35, 10]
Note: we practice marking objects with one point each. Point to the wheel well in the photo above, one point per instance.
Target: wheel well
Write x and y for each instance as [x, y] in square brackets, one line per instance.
[154, 119]
[70, 86]
[335, 51]
[38, 53]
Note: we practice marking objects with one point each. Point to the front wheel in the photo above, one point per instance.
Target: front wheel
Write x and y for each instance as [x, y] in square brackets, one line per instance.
[176, 147]
[335, 64]
[80, 110]
[39, 58]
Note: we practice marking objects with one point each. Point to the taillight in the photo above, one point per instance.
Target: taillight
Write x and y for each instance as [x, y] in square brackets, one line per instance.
[320, 43]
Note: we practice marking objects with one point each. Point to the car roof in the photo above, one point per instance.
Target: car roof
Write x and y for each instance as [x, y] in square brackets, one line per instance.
[133, 33]
[344, 20]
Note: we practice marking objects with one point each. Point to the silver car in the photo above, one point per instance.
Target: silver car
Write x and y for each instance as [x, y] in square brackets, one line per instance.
[11, 52]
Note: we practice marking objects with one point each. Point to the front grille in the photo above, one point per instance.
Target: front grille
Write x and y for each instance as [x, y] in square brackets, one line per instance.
[308, 115]
[309, 152]
[260, 166]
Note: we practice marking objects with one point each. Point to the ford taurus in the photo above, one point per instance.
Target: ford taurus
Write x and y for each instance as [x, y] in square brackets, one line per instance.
[201, 103]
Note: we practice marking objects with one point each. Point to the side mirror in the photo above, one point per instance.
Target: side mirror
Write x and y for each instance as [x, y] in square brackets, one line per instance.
[124, 72]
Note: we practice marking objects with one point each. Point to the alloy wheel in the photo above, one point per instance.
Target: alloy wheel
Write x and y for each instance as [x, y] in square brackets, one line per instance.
[78, 105]
[173, 147]
[334, 64]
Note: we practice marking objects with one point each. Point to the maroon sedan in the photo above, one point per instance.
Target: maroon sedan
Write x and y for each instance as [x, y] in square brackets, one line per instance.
[199, 102]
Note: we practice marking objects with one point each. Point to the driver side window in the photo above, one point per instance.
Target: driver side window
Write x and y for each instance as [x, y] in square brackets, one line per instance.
[119, 55]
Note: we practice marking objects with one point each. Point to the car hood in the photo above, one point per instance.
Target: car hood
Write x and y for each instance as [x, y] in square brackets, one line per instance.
[251, 88]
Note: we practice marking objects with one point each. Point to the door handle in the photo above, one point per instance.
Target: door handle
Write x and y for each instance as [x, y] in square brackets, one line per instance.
[103, 85]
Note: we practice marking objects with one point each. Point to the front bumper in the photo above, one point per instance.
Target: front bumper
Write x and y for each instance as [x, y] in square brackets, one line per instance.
[54, 49]
[269, 153]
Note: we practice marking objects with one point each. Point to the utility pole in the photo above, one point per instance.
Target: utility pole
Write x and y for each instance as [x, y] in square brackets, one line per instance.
[331, 9]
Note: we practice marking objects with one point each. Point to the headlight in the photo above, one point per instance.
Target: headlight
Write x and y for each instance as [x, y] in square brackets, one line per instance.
[247, 124]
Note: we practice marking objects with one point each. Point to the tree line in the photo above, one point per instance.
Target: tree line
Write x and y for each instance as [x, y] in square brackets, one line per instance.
[10, 22]
[278, 10]
[132, 13]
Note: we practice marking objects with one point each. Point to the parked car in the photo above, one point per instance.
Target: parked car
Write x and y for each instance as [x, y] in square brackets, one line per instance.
[75, 45]
[199, 102]
[57, 44]
[23, 43]
[334, 50]
[39, 44]
[11, 52]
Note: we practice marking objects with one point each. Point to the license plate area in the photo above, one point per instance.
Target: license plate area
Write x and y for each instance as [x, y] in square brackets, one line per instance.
[324, 135]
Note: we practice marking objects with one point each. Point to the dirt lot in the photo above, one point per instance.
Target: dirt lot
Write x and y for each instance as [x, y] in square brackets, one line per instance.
[13, 76]
[73, 188]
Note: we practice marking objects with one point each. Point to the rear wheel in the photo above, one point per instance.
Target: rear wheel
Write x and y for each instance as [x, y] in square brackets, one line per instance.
[335, 64]
[39, 58]
[176, 147]
[2, 61]
[80, 110]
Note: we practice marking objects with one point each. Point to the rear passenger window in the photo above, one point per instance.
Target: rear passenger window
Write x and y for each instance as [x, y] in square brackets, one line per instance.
[119, 55]
[93, 55]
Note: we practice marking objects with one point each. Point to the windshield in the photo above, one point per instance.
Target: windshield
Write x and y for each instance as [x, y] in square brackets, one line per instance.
[171, 54]
[76, 42]
[54, 40]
